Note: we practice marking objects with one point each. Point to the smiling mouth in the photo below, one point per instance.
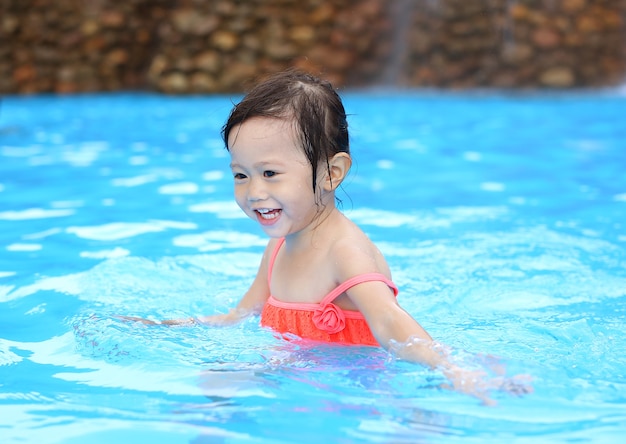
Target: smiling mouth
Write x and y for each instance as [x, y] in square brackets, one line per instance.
[268, 215]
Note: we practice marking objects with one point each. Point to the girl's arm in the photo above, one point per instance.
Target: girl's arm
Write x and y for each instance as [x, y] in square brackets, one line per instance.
[376, 301]
[390, 324]
[395, 328]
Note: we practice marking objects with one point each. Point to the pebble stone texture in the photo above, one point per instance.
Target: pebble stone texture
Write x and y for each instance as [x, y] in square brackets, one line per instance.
[214, 46]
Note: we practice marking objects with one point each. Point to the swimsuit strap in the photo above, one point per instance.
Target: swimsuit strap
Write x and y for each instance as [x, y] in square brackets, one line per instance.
[356, 280]
[270, 266]
[342, 288]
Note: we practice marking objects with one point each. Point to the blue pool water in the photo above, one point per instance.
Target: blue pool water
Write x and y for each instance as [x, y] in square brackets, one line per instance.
[503, 218]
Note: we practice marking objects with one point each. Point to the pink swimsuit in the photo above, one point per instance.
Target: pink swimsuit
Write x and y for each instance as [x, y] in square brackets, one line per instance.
[324, 321]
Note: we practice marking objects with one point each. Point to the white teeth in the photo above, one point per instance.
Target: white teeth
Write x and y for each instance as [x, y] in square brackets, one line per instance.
[268, 213]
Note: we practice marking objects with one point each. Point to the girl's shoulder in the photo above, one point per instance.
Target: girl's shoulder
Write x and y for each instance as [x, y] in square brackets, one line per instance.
[355, 254]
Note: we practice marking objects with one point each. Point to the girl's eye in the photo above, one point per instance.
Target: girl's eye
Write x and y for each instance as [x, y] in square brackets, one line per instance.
[269, 173]
[240, 176]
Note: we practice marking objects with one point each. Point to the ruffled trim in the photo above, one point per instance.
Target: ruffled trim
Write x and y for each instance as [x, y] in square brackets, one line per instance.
[325, 324]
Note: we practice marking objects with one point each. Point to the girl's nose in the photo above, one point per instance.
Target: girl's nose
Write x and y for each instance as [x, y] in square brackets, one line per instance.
[256, 190]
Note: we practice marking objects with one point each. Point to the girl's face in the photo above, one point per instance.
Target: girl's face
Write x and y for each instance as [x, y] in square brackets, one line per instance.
[272, 176]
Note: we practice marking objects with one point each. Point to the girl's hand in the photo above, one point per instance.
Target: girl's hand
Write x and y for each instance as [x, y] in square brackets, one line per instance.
[479, 384]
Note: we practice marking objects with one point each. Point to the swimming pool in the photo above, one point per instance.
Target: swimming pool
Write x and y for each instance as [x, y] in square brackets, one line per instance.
[503, 218]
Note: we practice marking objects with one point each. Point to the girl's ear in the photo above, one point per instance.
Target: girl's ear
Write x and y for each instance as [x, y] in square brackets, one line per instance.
[338, 167]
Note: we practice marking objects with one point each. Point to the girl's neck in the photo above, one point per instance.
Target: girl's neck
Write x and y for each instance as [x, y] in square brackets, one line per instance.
[315, 231]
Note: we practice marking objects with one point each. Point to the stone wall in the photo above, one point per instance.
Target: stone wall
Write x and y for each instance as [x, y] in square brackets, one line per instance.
[522, 43]
[206, 46]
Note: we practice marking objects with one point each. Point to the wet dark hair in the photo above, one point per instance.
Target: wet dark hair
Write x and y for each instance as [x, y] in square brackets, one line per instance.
[311, 103]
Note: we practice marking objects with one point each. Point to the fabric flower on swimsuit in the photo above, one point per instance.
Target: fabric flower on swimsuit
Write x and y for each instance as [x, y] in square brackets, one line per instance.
[329, 318]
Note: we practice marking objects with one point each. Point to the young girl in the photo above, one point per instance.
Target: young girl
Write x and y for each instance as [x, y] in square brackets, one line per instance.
[320, 277]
